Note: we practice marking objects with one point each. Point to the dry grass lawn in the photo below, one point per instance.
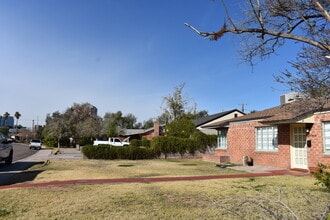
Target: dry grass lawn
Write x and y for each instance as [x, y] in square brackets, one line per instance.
[242, 198]
[62, 169]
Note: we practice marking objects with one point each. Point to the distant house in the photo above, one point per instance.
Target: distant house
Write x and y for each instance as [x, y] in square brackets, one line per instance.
[156, 130]
[295, 135]
[202, 123]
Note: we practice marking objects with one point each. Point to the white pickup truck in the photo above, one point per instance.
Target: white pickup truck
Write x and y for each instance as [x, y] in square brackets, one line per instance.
[113, 142]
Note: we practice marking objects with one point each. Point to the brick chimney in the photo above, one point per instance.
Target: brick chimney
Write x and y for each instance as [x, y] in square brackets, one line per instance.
[156, 128]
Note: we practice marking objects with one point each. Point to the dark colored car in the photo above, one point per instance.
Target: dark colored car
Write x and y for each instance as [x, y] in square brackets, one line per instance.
[6, 149]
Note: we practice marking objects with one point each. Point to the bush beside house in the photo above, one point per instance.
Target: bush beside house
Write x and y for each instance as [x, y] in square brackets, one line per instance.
[159, 146]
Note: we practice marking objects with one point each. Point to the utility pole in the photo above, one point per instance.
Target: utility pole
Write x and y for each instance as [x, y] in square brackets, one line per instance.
[243, 106]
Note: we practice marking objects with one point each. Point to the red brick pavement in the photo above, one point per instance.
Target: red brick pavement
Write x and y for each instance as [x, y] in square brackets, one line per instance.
[155, 179]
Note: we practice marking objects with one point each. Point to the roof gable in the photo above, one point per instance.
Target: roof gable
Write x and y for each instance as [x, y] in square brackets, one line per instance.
[204, 120]
[286, 113]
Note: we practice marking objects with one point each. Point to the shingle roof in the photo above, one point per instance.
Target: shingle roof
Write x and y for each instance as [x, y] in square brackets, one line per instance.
[286, 113]
[209, 118]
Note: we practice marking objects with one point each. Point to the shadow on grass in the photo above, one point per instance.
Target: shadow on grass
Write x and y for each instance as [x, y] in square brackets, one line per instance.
[22, 177]
[15, 173]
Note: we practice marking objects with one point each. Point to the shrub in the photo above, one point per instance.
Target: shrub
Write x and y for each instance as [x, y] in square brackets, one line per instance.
[145, 142]
[204, 140]
[50, 142]
[323, 177]
[135, 143]
[160, 145]
[140, 143]
[112, 152]
[85, 141]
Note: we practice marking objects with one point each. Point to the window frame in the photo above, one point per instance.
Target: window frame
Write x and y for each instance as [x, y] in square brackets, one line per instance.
[222, 139]
[268, 134]
[326, 137]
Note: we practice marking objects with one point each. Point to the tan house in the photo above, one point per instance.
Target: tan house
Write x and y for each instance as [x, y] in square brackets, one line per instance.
[202, 123]
[295, 135]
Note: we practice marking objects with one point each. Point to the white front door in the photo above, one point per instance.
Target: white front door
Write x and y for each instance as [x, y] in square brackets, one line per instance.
[298, 147]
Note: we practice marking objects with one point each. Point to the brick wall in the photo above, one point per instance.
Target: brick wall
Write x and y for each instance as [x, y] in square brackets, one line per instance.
[315, 152]
[241, 142]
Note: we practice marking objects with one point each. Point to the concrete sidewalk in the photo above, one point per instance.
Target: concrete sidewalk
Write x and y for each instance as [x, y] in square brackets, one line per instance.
[40, 156]
[47, 154]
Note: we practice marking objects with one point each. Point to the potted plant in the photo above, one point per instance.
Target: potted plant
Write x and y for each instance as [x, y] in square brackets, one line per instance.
[249, 160]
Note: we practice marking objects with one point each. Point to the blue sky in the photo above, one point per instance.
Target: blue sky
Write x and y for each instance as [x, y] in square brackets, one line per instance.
[125, 55]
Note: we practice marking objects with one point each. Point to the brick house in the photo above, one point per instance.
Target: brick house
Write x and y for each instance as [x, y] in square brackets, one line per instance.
[295, 135]
[156, 130]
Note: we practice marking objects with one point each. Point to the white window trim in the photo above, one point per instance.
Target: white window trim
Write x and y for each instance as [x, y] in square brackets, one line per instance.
[268, 148]
[326, 138]
[219, 138]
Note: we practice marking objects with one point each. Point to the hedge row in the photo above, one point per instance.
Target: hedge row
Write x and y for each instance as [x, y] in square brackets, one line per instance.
[113, 153]
[139, 143]
[144, 149]
[182, 146]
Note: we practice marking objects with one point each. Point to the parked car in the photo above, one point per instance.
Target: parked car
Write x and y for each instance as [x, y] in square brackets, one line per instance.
[35, 144]
[6, 149]
[113, 142]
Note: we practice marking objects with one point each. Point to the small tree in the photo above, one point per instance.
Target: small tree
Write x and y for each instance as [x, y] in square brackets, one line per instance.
[175, 105]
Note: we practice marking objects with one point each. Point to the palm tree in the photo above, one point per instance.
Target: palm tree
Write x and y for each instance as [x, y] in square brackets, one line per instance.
[17, 116]
[6, 115]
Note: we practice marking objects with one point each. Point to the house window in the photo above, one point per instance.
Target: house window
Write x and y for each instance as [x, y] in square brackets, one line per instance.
[326, 137]
[266, 138]
[222, 139]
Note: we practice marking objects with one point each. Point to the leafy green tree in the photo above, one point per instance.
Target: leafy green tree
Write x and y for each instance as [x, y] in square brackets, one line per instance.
[114, 123]
[148, 123]
[77, 122]
[129, 121]
[182, 128]
[56, 127]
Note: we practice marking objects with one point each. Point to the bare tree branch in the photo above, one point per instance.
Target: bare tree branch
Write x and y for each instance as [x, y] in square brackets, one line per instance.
[215, 35]
[321, 8]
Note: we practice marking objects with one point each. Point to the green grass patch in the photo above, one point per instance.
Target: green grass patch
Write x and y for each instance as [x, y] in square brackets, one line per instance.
[4, 212]
[126, 165]
[189, 164]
